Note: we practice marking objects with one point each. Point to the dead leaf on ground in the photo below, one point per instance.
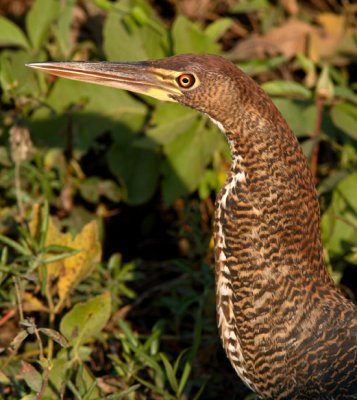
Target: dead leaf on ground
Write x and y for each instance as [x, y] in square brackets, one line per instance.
[288, 39]
[318, 42]
[324, 41]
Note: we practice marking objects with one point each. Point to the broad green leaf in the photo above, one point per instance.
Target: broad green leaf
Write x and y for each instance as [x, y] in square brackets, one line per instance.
[300, 115]
[62, 30]
[247, 6]
[187, 158]
[96, 109]
[56, 377]
[31, 376]
[169, 120]
[122, 42]
[189, 38]
[85, 320]
[287, 89]
[15, 78]
[339, 222]
[217, 28]
[255, 67]
[92, 188]
[331, 181]
[86, 384]
[346, 93]
[142, 35]
[104, 4]
[39, 20]
[308, 147]
[138, 167]
[344, 116]
[11, 34]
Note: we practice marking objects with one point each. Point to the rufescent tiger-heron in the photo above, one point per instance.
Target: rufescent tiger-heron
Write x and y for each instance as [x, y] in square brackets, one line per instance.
[287, 330]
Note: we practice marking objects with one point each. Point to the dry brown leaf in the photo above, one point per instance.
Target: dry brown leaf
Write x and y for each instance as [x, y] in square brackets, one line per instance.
[325, 41]
[295, 36]
[194, 9]
[288, 39]
[291, 6]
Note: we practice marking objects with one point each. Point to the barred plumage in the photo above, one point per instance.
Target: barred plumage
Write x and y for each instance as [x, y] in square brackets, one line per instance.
[287, 330]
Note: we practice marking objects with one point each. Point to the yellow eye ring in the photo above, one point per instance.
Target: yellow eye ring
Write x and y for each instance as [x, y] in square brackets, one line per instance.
[186, 81]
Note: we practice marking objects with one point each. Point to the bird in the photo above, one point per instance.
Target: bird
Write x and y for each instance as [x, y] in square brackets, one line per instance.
[286, 328]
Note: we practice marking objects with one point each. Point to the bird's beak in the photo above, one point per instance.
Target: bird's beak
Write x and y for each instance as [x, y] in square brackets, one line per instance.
[138, 77]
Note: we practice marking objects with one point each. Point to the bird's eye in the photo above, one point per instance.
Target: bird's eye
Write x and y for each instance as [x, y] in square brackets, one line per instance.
[186, 80]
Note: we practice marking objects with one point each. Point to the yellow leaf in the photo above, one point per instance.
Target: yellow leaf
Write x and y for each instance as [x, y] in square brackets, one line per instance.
[78, 266]
[68, 272]
[32, 303]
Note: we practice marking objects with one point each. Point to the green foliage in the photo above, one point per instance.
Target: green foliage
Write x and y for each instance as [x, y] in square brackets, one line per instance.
[142, 324]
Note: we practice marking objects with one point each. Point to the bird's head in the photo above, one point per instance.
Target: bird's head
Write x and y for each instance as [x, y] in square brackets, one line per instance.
[203, 82]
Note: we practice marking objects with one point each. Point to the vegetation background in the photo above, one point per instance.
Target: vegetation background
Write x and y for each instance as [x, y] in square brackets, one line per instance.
[121, 305]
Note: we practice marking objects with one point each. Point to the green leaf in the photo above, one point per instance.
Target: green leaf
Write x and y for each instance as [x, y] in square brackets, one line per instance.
[170, 120]
[129, 47]
[217, 28]
[124, 393]
[344, 116]
[287, 89]
[346, 93]
[187, 157]
[141, 35]
[339, 222]
[169, 372]
[331, 181]
[56, 376]
[63, 28]
[11, 243]
[86, 320]
[138, 167]
[92, 188]
[39, 20]
[129, 335]
[95, 109]
[31, 376]
[255, 67]
[11, 34]
[86, 384]
[247, 6]
[16, 80]
[189, 38]
[300, 115]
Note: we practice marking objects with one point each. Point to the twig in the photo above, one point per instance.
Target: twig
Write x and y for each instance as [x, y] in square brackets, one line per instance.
[18, 297]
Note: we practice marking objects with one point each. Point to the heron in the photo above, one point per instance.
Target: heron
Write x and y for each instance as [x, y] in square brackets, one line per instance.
[286, 328]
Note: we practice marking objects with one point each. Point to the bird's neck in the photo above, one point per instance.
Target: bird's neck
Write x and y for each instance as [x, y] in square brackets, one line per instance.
[267, 218]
